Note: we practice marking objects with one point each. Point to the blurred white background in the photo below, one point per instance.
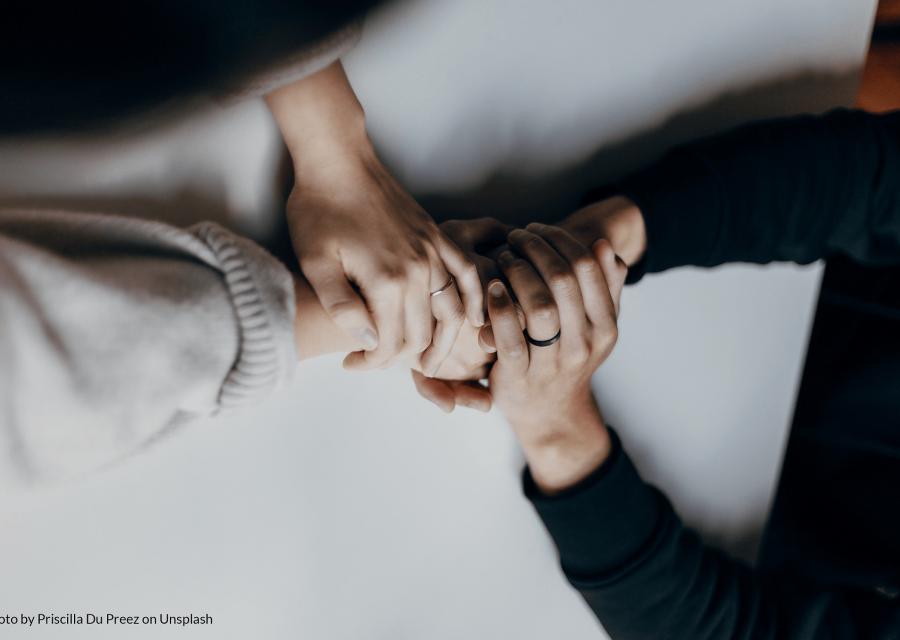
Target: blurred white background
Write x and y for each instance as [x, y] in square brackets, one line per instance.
[347, 508]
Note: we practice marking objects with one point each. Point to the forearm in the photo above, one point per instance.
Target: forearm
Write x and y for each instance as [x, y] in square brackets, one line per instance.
[645, 576]
[114, 328]
[797, 189]
[322, 124]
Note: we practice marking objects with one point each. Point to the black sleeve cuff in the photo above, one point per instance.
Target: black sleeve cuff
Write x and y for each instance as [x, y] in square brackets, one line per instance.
[602, 522]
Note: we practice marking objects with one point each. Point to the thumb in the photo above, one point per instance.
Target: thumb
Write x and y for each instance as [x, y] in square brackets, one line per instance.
[342, 302]
[614, 270]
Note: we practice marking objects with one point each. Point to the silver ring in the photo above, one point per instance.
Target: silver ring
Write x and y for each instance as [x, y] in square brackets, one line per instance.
[543, 343]
[445, 287]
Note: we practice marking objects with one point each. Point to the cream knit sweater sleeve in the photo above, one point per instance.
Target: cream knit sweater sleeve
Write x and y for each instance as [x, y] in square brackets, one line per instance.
[113, 330]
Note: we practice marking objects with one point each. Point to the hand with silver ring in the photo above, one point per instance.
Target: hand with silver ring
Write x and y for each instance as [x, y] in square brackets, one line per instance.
[569, 303]
[455, 381]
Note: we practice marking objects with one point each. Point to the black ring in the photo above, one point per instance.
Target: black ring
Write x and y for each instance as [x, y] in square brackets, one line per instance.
[543, 343]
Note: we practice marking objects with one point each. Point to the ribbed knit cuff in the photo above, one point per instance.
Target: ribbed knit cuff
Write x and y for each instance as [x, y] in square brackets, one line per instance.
[262, 294]
[602, 522]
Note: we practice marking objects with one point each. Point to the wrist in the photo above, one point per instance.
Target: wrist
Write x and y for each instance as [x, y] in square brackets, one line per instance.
[322, 122]
[568, 448]
[333, 164]
[315, 333]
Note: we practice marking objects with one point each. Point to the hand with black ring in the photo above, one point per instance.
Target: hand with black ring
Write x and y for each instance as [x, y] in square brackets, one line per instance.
[545, 391]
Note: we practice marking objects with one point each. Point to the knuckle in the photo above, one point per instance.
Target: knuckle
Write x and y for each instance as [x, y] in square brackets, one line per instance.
[418, 344]
[563, 282]
[451, 227]
[423, 237]
[384, 356]
[543, 310]
[577, 354]
[316, 267]
[340, 308]
[393, 345]
[515, 352]
[517, 266]
[389, 277]
[585, 264]
[607, 339]
[533, 243]
[455, 315]
[419, 267]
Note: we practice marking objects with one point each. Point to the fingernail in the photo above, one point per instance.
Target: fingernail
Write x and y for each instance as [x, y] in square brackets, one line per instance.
[477, 404]
[534, 226]
[367, 338]
[505, 258]
[496, 289]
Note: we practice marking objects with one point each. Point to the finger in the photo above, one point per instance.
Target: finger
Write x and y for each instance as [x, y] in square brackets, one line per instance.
[471, 394]
[559, 276]
[512, 350]
[417, 313]
[486, 339]
[587, 271]
[448, 312]
[340, 300]
[386, 297]
[486, 333]
[469, 234]
[487, 270]
[467, 281]
[533, 296]
[435, 391]
[591, 279]
[542, 320]
[614, 270]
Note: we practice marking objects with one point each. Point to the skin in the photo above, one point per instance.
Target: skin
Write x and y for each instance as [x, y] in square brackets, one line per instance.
[456, 382]
[316, 334]
[617, 220]
[555, 283]
[367, 249]
[544, 392]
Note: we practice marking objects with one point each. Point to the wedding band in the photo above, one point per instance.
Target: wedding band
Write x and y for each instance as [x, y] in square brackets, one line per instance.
[444, 288]
[543, 343]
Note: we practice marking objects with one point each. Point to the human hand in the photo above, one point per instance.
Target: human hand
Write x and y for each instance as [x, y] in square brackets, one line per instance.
[479, 238]
[618, 220]
[365, 244]
[544, 391]
[457, 380]
[370, 252]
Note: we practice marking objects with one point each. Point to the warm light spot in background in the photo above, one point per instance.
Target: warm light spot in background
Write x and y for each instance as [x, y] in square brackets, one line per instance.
[880, 84]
